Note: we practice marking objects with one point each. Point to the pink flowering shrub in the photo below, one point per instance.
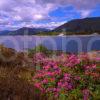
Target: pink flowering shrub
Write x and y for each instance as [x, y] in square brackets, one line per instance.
[38, 59]
[66, 77]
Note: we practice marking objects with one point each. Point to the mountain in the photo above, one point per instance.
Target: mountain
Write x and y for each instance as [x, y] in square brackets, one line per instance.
[5, 32]
[80, 26]
[74, 27]
[24, 31]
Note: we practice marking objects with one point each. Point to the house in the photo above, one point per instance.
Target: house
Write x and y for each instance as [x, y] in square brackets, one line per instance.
[61, 34]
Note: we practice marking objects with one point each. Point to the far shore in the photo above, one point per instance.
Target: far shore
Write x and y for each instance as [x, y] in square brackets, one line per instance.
[53, 35]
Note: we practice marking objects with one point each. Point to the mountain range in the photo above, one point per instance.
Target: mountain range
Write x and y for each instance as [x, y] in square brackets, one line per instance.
[76, 26]
[24, 31]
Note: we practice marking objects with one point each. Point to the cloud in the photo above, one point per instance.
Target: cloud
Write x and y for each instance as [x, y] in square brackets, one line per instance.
[12, 11]
[24, 10]
[49, 25]
[85, 13]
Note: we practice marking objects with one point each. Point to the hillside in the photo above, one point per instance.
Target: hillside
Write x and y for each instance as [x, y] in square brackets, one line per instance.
[80, 26]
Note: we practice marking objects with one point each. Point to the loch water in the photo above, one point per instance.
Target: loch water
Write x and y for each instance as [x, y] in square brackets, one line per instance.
[72, 44]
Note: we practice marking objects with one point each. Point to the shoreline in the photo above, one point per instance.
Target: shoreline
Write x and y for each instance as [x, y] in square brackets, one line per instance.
[51, 35]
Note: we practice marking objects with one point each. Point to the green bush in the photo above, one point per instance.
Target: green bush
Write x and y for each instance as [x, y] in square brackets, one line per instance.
[38, 49]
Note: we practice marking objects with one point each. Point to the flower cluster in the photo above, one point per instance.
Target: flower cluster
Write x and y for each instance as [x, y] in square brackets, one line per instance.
[65, 74]
[38, 59]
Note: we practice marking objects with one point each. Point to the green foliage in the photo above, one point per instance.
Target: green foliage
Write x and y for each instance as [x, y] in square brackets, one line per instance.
[51, 33]
[42, 49]
[62, 97]
[96, 93]
[38, 49]
[75, 94]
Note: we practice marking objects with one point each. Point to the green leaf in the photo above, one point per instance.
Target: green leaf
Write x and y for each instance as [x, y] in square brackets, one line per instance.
[62, 97]
[38, 67]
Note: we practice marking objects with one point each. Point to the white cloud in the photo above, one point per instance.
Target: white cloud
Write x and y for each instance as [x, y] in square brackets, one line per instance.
[85, 13]
[17, 18]
[49, 25]
[26, 10]
[34, 10]
[40, 9]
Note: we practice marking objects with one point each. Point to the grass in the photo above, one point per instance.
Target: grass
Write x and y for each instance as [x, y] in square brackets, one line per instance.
[16, 84]
[16, 77]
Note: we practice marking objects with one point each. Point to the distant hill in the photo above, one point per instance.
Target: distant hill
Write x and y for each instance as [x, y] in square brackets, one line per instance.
[24, 31]
[80, 26]
[5, 32]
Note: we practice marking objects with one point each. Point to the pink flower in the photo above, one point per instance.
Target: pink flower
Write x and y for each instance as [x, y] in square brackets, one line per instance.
[86, 94]
[38, 85]
[52, 79]
[93, 66]
[46, 67]
[59, 83]
[55, 66]
[97, 59]
[77, 78]
[67, 76]
[45, 81]
[90, 67]
[63, 73]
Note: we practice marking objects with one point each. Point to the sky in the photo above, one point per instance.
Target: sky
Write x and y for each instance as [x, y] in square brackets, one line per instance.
[15, 14]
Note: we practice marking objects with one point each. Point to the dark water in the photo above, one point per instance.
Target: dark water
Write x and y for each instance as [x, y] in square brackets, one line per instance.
[73, 44]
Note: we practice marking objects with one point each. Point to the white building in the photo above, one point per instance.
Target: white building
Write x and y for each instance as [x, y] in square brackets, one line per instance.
[61, 34]
[95, 34]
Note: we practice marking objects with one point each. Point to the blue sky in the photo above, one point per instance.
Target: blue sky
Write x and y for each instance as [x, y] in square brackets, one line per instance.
[15, 14]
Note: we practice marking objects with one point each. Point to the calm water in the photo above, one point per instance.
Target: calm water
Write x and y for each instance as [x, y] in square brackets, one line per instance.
[71, 44]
